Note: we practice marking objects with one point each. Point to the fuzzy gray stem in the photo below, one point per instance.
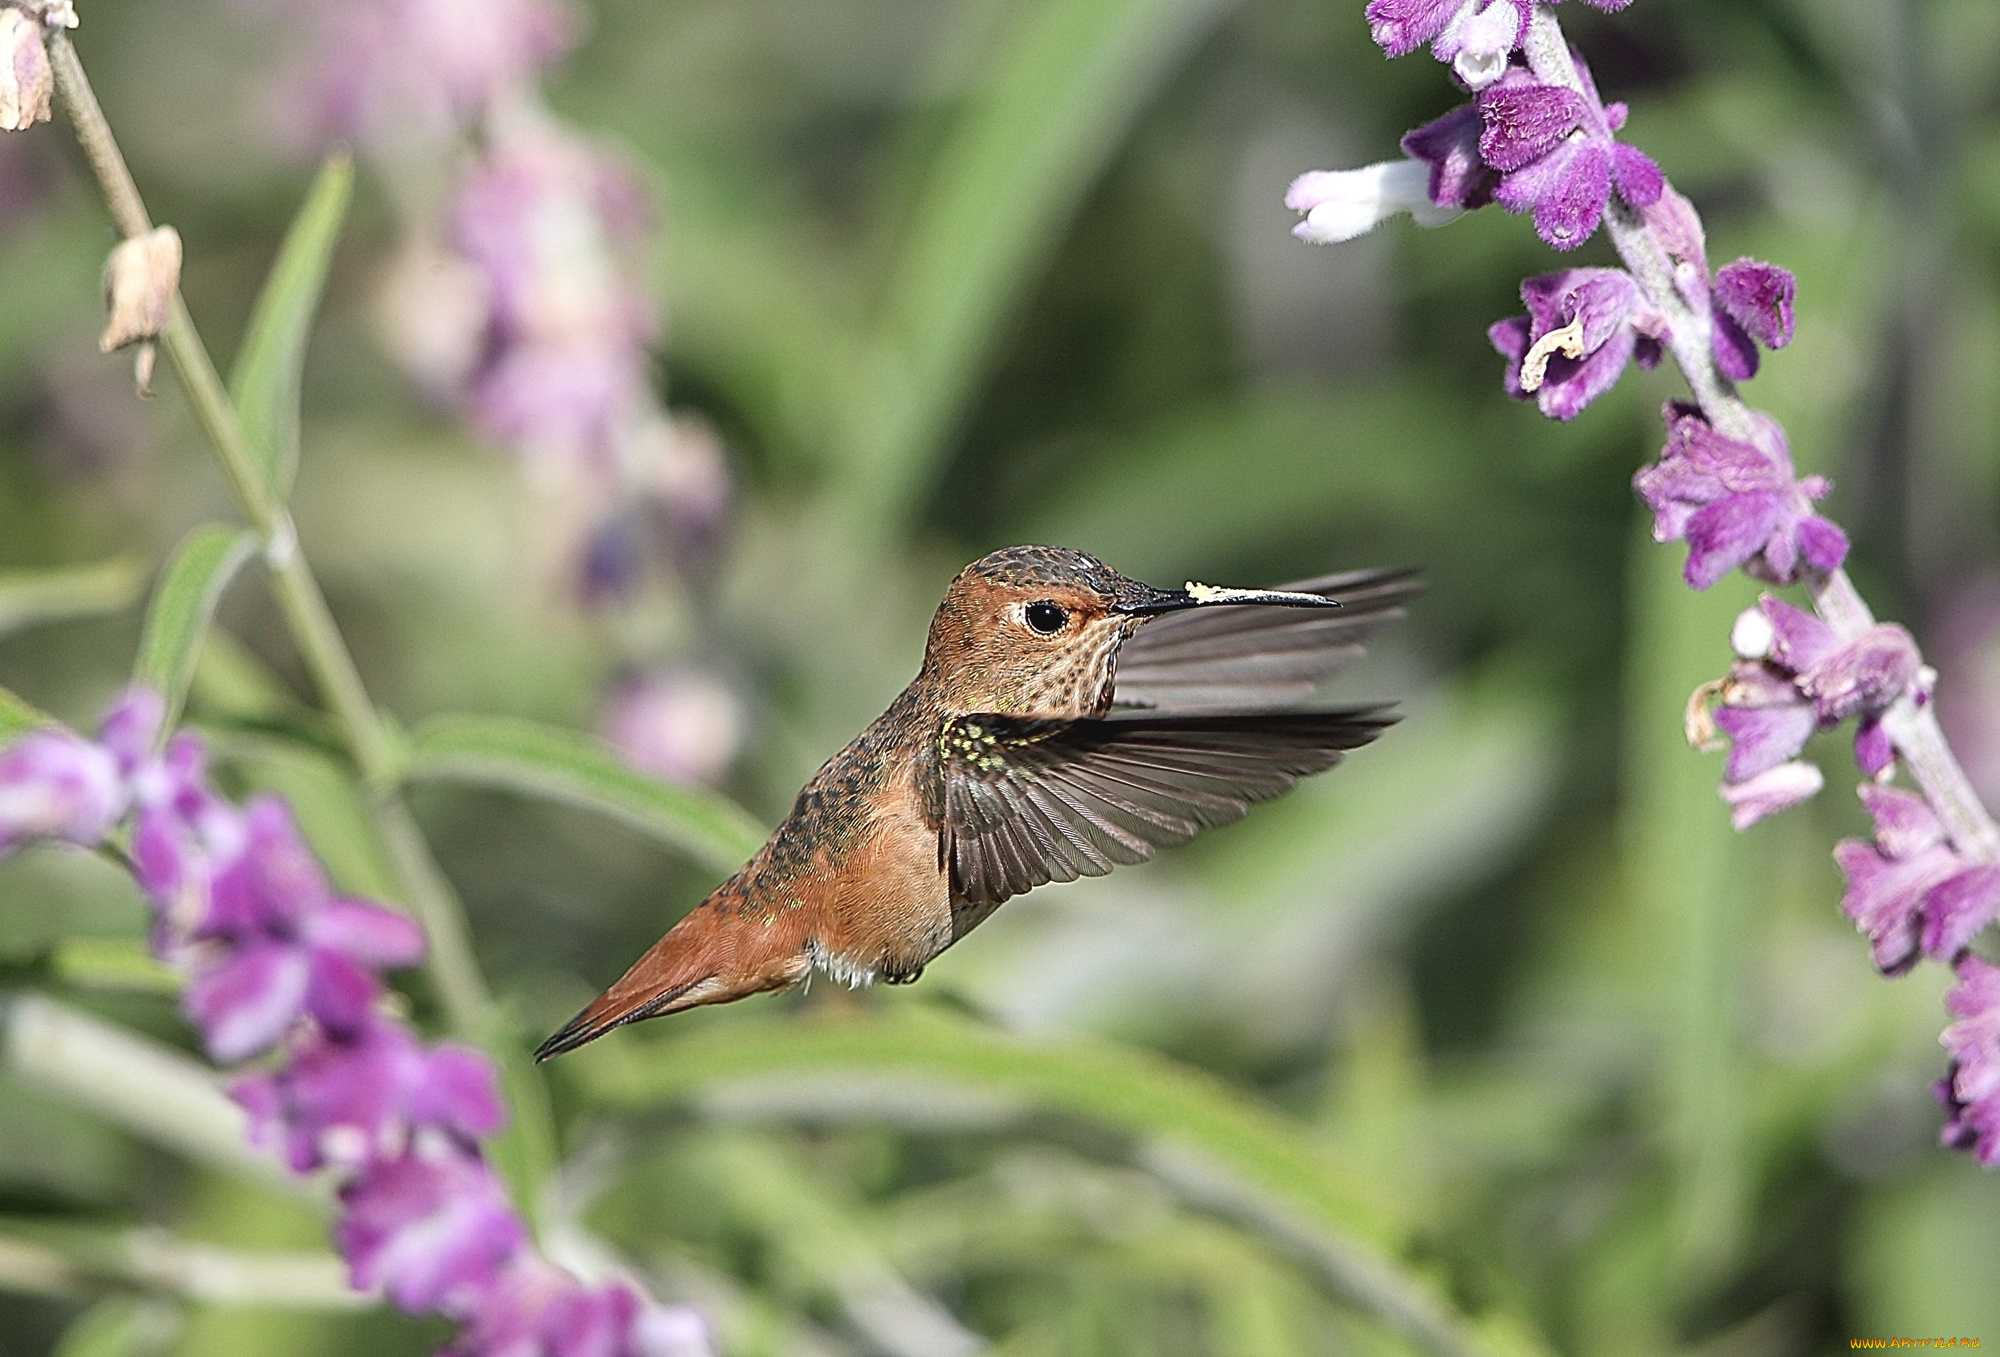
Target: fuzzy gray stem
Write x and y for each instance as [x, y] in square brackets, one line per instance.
[1911, 723]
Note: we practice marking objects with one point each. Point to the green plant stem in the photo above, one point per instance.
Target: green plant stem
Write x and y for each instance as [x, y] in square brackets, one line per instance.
[461, 990]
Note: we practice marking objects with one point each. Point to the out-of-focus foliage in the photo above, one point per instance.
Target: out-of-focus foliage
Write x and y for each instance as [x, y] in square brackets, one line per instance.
[1504, 989]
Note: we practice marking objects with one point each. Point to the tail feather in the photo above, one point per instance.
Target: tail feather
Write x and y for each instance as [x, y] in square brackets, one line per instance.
[710, 957]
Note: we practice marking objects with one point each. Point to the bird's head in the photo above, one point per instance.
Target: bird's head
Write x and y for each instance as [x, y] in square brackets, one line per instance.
[1035, 631]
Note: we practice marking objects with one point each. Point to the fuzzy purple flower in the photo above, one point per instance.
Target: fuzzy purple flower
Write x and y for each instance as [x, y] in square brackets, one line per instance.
[1449, 146]
[1474, 37]
[1909, 890]
[1753, 305]
[1736, 503]
[1558, 155]
[1583, 326]
[1793, 677]
[1971, 1092]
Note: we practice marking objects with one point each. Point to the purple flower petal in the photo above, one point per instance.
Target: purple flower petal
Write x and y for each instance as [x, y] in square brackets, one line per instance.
[1522, 122]
[1821, 542]
[1866, 674]
[1758, 297]
[1734, 352]
[1638, 179]
[1799, 640]
[1957, 908]
[1972, 1091]
[459, 1090]
[1873, 750]
[432, 1230]
[131, 726]
[1450, 146]
[368, 934]
[1400, 27]
[1511, 338]
[1904, 822]
[1769, 792]
[54, 785]
[244, 1003]
[1764, 737]
[1729, 532]
[339, 993]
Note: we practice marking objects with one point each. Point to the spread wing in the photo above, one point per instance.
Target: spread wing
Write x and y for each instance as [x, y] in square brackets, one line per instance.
[1028, 802]
[1256, 658]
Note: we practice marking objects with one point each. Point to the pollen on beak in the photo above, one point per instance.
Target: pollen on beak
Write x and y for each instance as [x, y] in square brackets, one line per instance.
[1193, 595]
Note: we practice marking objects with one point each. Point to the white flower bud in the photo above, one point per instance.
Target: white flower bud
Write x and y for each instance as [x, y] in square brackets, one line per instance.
[1342, 204]
[1751, 637]
[25, 79]
[1481, 41]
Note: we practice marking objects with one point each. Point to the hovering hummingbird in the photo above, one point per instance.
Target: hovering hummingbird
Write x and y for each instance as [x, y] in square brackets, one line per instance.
[1066, 720]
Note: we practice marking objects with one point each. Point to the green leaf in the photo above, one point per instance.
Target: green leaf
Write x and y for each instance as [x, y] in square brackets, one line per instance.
[562, 765]
[30, 596]
[265, 381]
[17, 717]
[183, 603]
[1064, 85]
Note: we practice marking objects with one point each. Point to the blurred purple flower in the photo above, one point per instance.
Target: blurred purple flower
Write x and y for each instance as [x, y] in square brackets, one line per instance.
[1971, 1091]
[54, 785]
[1910, 891]
[1793, 677]
[1736, 503]
[1531, 135]
[432, 1228]
[1583, 326]
[551, 225]
[1771, 791]
[383, 71]
[677, 724]
[274, 957]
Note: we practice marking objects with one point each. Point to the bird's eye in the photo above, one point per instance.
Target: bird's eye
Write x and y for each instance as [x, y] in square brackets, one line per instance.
[1046, 617]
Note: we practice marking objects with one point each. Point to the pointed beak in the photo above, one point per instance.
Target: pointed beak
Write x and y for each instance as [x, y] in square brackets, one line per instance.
[1194, 595]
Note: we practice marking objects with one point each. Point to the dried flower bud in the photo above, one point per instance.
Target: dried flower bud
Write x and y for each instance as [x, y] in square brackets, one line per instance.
[25, 79]
[140, 280]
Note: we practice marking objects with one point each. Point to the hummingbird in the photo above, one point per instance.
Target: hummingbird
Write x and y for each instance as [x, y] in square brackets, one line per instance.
[1066, 720]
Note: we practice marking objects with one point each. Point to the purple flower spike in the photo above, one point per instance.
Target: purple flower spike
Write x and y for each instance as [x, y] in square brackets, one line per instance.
[1583, 326]
[1736, 504]
[1559, 156]
[1971, 1093]
[432, 1228]
[1450, 146]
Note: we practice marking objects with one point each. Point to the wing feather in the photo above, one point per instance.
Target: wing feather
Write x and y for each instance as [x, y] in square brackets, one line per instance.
[1029, 802]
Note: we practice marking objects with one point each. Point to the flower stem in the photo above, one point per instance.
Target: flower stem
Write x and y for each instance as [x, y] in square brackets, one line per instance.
[461, 990]
[1912, 722]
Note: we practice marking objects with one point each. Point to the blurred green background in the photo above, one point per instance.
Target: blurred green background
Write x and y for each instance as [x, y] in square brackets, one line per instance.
[948, 275]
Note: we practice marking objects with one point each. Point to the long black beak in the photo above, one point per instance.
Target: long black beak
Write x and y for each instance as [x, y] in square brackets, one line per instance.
[1206, 595]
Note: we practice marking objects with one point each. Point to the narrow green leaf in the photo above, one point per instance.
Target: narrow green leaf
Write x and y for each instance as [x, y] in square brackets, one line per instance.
[1063, 86]
[265, 381]
[30, 596]
[17, 717]
[547, 761]
[183, 603]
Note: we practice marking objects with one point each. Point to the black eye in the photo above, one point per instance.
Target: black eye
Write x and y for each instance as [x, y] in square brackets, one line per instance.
[1047, 617]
